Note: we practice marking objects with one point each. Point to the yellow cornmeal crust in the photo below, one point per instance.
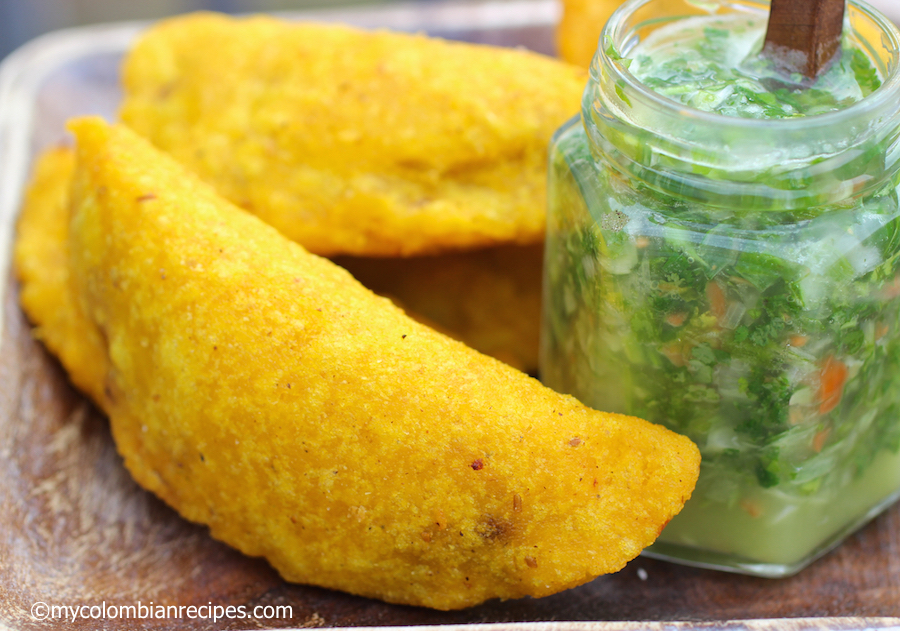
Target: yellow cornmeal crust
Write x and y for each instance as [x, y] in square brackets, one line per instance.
[489, 298]
[578, 31]
[350, 141]
[41, 261]
[261, 390]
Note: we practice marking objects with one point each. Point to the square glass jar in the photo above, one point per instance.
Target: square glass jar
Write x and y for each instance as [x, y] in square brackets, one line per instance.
[737, 280]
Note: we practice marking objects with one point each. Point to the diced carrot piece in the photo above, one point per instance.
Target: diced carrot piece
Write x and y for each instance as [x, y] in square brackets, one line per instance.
[892, 289]
[832, 378]
[718, 304]
[676, 319]
[750, 507]
[820, 438]
[676, 353]
[799, 340]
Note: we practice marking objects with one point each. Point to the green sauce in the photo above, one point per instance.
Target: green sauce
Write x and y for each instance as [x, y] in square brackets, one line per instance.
[770, 336]
[714, 64]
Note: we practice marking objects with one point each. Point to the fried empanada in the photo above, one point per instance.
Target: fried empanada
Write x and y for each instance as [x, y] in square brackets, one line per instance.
[489, 298]
[261, 390]
[355, 142]
[578, 31]
[41, 258]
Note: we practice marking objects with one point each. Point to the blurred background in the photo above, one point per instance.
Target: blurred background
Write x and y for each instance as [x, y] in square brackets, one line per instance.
[22, 20]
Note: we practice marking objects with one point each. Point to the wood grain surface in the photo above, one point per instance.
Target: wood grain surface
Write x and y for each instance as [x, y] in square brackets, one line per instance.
[75, 530]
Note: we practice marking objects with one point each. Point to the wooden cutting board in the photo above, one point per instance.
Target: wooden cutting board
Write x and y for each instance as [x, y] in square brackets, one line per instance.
[75, 530]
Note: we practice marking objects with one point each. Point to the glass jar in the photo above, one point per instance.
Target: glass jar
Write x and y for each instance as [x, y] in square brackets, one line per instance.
[737, 281]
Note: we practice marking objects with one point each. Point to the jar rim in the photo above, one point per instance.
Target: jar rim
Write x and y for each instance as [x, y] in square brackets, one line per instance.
[885, 96]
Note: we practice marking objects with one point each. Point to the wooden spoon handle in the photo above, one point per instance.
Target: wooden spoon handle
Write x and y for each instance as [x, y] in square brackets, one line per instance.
[804, 35]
